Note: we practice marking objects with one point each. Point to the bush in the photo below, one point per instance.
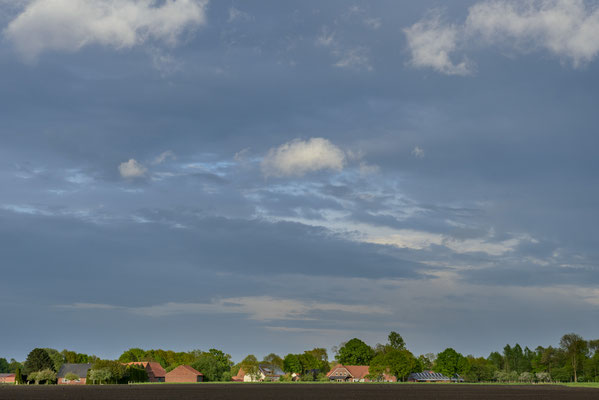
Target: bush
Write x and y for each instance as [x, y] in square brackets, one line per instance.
[526, 377]
[71, 376]
[32, 377]
[543, 376]
[46, 375]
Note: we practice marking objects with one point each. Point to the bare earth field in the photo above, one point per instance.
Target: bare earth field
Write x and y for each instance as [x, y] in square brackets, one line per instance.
[302, 391]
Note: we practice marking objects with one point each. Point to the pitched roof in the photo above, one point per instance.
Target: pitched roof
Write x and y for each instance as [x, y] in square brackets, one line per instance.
[240, 375]
[186, 368]
[156, 369]
[3, 375]
[78, 369]
[428, 376]
[356, 371]
[270, 370]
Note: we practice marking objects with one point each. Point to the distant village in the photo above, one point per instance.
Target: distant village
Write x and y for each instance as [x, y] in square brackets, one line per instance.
[574, 360]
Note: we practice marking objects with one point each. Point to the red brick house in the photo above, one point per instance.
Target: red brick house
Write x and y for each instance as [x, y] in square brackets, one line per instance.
[155, 371]
[7, 378]
[80, 370]
[184, 373]
[354, 373]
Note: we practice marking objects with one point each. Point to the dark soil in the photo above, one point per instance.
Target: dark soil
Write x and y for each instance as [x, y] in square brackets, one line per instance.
[297, 391]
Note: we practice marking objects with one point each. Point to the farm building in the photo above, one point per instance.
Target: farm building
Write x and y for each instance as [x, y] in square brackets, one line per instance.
[266, 372]
[155, 371]
[354, 373]
[7, 378]
[80, 370]
[430, 376]
[184, 373]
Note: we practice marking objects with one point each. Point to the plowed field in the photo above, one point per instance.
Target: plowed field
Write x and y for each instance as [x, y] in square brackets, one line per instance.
[298, 391]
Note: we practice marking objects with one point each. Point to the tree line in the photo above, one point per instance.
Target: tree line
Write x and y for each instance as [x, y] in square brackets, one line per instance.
[574, 359]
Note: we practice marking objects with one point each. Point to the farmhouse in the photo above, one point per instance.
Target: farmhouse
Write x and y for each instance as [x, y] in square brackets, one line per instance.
[155, 371]
[266, 372]
[184, 373]
[79, 370]
[7, 378]
[354, 373]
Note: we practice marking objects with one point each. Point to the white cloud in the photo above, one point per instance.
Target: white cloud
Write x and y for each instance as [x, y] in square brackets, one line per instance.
[132, 169]
[566, 28]
[164, 156]
[418, 152]
[406, 238]
[299, 157]
[431, 42]
[69, 25]
[262, 308]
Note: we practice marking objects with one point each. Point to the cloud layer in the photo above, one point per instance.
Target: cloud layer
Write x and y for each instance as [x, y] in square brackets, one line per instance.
[69, 25]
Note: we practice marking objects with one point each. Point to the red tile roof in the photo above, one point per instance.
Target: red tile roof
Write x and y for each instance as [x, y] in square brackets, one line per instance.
[156, 369]
[188, 369]
[356, 371]
[239, 377]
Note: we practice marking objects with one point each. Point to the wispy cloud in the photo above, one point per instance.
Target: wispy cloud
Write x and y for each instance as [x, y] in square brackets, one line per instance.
[262, 308]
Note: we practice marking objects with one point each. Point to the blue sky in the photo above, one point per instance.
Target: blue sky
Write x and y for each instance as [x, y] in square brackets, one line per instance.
[267, 176]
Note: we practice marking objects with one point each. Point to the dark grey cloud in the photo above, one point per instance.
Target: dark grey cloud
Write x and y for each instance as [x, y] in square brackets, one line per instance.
[499, 205]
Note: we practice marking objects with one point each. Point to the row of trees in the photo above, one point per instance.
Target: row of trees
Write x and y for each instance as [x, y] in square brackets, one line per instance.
[575, 359]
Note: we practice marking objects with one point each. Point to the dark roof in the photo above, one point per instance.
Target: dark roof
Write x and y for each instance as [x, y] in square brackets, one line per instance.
[428, 376]
[270, 370]
[78, 369]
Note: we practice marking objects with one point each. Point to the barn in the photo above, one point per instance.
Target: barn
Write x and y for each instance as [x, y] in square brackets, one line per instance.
[184, 373]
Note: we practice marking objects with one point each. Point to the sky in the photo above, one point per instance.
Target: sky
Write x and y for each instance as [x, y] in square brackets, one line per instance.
[269, 176]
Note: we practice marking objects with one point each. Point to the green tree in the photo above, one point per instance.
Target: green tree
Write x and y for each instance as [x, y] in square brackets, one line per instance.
[13, 365]
[576, 349]
[32, 377]
[497, 360]
[18, 376]
[309, 362]
[100, 375]
[480, 369]
[4, 366]
[56, 357]
[133, 355]
[449, 362]
[355, 352]
[136, 373]
[396, 341]
[274, 360]
[291, 363]
[250, 366]
[320, 354]
[396, 362]
[46, 375]
[427, 361]
[118, 371]
[37, 360]
[214, 364]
